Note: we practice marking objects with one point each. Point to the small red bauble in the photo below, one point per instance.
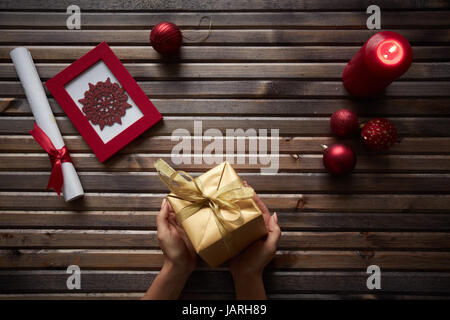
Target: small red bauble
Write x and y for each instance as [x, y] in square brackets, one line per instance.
[379, 134]
[339, 159]
[344, 123]
[166, 38]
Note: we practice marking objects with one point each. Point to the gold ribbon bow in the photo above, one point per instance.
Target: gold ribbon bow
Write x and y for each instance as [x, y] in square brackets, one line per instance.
[192, 190]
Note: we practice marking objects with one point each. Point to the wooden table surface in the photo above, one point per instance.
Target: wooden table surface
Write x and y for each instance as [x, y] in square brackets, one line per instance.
[266, 64]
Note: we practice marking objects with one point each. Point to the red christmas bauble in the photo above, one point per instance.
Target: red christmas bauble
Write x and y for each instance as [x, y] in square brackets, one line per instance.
[379, 134]
[339, 159]
[166, 38]
[344, 123]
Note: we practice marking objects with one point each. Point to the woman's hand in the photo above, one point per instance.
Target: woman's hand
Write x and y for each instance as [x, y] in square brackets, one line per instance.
[176, 246]
[248, 266]
[179, 257]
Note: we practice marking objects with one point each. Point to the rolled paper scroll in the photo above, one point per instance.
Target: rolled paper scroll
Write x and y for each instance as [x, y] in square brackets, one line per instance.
[44, 118]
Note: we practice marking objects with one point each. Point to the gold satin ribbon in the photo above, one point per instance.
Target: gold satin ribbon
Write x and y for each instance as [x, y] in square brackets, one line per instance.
[192, 190]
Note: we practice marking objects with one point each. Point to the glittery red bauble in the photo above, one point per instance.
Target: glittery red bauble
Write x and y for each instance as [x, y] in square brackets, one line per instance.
[166, 38]
[379, 134]
[339, 159]
[344, 123]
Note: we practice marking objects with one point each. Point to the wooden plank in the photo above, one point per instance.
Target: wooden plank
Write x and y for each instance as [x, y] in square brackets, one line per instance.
[146, 20]
[134, 283]
[217, 296]
[282, 182]
[223, 37]
[292, 145]
[262, 89]
[125, 201]
[223, 53]
[223, 5]
[361, 259]
[75, 296]
[153, 260]
[316, 71]
[142, 220]
[284, 202]
[294, 221]
[290, 240]
[287, 163]
[293, 126]
[377, 107]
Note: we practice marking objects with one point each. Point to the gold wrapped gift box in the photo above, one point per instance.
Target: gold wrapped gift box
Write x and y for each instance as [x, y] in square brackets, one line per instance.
[216, 211]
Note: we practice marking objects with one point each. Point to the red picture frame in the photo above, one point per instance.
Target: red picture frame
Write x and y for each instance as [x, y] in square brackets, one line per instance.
[102, 150]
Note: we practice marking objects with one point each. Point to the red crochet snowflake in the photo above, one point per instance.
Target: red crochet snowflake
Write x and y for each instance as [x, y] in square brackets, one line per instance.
[105, 103]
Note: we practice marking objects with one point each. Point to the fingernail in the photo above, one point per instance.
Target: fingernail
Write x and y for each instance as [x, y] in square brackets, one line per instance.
[163, 203]
[275, 217]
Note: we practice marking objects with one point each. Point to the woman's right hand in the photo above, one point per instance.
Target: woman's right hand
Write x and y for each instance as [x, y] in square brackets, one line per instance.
[253, 259]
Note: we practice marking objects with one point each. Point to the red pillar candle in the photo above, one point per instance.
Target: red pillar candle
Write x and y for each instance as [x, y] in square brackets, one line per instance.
[383, 58]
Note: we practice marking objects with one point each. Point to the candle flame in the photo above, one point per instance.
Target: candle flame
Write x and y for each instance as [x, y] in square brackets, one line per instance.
[390, 52]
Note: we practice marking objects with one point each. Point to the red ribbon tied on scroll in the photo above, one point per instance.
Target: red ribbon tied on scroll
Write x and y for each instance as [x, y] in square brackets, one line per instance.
[57, 157]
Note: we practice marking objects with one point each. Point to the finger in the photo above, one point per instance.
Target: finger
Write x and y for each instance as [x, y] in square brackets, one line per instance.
[171, 215]
[175, 219]
[170, 207]
[162, 222]
[274, 232]
[185, 238]
[172, 220]
[265, 212]
[260, 204]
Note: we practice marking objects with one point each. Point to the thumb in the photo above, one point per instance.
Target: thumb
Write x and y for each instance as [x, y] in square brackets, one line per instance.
[274, 231]
[162, 220]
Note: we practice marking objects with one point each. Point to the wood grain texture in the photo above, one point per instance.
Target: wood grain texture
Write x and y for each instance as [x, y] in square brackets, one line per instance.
[282, 182]
[126, 239]
[223, 37]
[266, 65]
[293, 126]
[220, 282]
[380, 107]
[314, 71]
[262, 89]
[223, 5]
[286, 260]
[70, 53]
[291, 145]
[287, 163]
[217, 296]
[289, 221]
[287, 202]
[219, 19]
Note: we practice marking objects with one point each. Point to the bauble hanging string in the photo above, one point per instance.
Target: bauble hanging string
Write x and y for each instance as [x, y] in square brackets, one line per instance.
[204, 38]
